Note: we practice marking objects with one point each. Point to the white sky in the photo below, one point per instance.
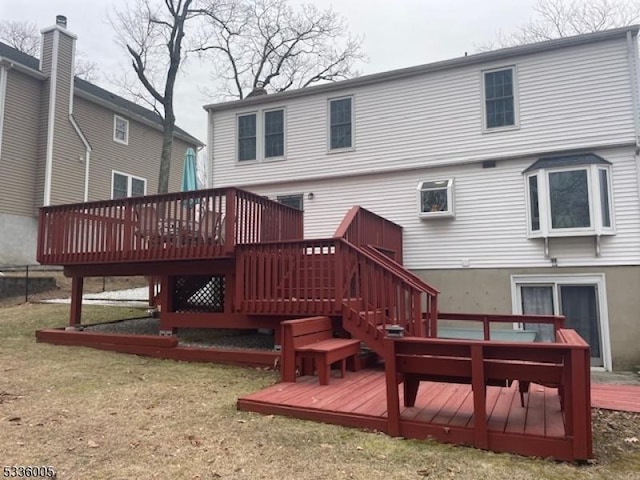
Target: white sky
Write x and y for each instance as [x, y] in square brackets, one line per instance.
[397, 33]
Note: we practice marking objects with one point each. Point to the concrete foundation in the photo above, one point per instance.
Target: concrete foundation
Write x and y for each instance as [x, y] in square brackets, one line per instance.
[18, 239]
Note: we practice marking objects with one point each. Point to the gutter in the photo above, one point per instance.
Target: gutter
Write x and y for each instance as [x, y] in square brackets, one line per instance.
[10, 64]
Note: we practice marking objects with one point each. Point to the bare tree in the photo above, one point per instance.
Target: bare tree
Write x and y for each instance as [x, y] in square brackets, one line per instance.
[562, 18]
[265, 45]
[25, 37]
[153, 32]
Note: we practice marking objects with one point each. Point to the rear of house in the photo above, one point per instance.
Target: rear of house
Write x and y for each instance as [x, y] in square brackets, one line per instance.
[65, 140]
[514, 174]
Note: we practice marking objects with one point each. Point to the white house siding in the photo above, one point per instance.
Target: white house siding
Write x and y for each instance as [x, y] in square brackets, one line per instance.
[489, 229]
[574, 97]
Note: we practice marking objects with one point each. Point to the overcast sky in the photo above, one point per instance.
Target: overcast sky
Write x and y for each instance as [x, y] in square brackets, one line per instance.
[397, 33]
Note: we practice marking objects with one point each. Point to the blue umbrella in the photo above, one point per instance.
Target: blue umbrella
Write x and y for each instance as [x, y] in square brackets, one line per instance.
[189, 177]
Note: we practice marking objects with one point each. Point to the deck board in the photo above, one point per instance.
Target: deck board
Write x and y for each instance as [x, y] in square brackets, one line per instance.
[359, 400]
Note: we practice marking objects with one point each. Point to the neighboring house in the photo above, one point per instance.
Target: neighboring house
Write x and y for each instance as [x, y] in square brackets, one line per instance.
[65, 140]
[514, 173]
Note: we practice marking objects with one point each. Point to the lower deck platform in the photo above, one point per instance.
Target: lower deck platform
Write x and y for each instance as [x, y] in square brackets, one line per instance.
[443, 411]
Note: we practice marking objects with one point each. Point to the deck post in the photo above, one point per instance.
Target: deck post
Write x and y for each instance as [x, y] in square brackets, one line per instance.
[167, 285]
[580, 408]
[75, 313]
[393, 399]
[479, 387]
[287, 355]
[230, 224]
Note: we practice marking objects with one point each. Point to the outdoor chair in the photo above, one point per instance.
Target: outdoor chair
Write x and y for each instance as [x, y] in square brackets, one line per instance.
[212, 228]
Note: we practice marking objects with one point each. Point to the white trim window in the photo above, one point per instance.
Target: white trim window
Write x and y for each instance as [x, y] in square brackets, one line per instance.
[569, 196]
[500, 98]
[261, 136]
[435, 199]
[341, 123]
[124, 185]
[581, 298]
[120, 130]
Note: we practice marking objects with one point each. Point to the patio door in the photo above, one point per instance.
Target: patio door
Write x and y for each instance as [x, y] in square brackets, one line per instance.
[580, 299]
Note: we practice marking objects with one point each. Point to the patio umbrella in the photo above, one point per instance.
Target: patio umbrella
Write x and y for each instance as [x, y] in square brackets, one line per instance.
[189, 177]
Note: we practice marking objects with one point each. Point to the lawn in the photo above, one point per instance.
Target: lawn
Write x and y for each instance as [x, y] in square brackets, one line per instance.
[99, 415]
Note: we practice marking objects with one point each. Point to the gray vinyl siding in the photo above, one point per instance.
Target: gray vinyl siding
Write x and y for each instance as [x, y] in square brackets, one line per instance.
[141, 157]
[489, 229]
[68, 172]
[20, 137]
[573, 97]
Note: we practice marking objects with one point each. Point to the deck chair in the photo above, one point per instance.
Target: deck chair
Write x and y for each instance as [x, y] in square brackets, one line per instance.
[212, 228]
[150, 228]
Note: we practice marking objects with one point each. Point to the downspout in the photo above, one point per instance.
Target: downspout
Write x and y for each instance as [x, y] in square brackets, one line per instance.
[76, 127]
[632, 52]
[87, 155]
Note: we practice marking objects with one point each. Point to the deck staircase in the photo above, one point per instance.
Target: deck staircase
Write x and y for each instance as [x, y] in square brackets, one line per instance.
[344, 276]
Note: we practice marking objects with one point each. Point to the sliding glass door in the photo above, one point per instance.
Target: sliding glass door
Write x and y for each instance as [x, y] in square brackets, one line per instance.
[580, 299]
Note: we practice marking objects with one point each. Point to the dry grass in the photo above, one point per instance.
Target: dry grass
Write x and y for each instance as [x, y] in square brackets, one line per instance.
[101, 415]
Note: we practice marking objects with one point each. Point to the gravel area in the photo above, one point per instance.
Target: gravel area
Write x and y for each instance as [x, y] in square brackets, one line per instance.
[196, 337]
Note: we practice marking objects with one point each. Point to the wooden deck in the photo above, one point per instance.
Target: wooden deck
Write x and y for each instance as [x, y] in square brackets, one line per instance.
[625, 398]
[443, 411]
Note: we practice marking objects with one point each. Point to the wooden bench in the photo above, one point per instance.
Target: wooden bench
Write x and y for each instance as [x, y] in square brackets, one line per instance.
[310, 340]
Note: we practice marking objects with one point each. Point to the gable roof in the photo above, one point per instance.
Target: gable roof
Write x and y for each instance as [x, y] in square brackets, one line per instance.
[484, 57]
[93, 92]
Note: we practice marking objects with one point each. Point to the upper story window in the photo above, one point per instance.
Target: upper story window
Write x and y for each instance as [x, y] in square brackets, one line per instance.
[500, 102]
[341, 123]
[261, 135]
[247, 137]
[274, 133]
[569, 195]
[124, 185]
[435, 199]
[120, 130]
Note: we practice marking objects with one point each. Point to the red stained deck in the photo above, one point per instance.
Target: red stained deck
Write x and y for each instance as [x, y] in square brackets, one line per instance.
[625, 398]
[443, 411]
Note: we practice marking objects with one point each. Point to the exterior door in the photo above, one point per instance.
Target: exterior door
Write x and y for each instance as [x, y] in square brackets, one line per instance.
[579, 301]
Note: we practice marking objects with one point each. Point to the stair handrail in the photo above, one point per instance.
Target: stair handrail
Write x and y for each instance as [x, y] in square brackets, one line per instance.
[400, 270]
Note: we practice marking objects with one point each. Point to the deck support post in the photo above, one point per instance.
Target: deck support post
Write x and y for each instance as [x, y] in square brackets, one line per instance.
[230, 224]
[75, 313]
[393, 398]
[479, 387]
[167, 285]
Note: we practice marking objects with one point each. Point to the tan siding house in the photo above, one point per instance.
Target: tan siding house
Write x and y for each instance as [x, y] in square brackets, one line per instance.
[58, 140]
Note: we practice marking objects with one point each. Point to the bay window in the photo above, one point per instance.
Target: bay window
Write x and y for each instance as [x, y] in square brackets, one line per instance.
[569, 196]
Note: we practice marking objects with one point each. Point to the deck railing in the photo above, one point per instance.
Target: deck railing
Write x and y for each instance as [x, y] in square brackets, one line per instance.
[361, 227]
[174, 226]
[319, 277]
